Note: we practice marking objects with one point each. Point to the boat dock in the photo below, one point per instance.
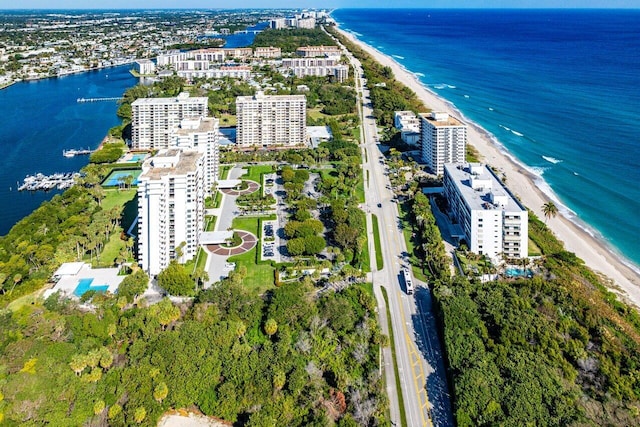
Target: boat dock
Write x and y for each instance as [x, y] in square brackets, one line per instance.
[73, 152]
[98, 99]
[39, 181]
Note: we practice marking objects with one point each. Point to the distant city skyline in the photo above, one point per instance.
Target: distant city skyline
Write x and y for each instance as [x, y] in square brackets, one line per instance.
[328, 4]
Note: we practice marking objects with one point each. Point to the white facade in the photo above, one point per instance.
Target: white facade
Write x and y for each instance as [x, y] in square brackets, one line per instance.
[406, 121]
[181, 60]
[444, 140]
[152, 119]
[267, 120]
[170, 208]
[234, 72]
[311, 51]
[312, 66]
[145, 67]
[201, 134]
[493, 221]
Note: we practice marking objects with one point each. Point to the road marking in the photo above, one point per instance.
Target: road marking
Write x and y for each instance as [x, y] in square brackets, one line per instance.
[414, 358]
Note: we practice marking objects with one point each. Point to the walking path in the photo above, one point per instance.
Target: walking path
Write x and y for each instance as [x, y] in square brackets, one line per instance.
[253, 187]
[249, 240]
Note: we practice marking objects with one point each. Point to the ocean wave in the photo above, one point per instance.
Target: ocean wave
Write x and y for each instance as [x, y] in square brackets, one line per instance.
[398, 56]
[551, 159]
[451, 86]
[516, 133]
[537, 170]
[466, 96]
[505, 128]
[419, 74]
[490, 109]
[576, 174]
[439, 86]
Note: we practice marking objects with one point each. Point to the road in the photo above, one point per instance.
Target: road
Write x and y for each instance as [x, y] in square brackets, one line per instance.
[419, 357]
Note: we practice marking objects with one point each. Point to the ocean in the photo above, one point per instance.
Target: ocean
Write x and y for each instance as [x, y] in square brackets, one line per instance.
[39, 119]
[559, 90]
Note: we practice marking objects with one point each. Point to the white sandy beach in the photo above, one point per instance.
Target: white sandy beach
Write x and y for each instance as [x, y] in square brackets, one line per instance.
[522, 183]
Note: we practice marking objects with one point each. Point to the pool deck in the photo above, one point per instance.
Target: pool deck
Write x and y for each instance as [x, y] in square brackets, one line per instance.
[101, 276]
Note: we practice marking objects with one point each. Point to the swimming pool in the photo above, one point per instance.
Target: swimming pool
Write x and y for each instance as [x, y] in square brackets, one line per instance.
[135, 158]
[84, 285]
[518, 272]
[112, 179]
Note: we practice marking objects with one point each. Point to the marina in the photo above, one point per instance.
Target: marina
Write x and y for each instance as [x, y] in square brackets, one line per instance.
[42, 182]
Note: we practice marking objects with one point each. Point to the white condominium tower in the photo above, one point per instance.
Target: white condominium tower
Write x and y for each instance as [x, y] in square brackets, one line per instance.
[444, 140]
[493, 221]
[267, 120]
[200, 134]
[170, 208]
[152, 119]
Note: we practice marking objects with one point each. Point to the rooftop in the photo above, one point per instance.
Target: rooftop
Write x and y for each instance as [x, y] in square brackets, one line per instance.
[170, 162]
[183, 97]
[481, 188]
[439, 119]
[197, 125]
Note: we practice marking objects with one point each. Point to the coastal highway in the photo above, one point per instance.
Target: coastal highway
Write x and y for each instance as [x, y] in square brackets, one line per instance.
[418, 354]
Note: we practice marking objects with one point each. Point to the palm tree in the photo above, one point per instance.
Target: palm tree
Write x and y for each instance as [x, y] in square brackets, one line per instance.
[550, 210]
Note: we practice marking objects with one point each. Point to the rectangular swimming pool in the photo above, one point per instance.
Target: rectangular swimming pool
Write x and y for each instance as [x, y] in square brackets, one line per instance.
[84, 285]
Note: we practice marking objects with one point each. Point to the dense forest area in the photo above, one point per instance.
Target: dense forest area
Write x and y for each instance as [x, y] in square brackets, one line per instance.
[292, 38]
[284, 359]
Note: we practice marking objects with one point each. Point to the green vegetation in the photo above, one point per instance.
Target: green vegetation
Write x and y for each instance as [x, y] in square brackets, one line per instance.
[290, 39]
[128, 364]
[396, 374]
[378, 246]
[257, 277]
[255, 173]
[387, 94]
[108, 153]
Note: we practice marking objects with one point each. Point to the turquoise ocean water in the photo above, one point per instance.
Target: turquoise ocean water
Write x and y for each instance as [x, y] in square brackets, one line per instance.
[558, 89]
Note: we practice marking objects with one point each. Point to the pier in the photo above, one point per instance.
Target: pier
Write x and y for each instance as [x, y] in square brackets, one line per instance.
[115, 98]
[73, 152]
[39, 181]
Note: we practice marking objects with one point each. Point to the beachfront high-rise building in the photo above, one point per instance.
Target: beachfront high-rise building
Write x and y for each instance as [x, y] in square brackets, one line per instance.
[200, 134]
[492, 221]
[170, 208]
[152, 119]
[268, 120]
[443, 139]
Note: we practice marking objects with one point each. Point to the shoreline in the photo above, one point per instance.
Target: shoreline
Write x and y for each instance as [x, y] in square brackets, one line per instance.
[70, 73]
[576, 236]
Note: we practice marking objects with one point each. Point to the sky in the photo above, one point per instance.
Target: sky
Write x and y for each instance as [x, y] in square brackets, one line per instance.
[218, 4]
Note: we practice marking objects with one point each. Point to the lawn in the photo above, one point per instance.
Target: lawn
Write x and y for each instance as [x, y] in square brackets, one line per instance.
[228, 120]
[315, 114]
[224, 171]
[254, 173]
[112, 249]
[260, 276]
[534, 250]
[126, 198]
[378, 245]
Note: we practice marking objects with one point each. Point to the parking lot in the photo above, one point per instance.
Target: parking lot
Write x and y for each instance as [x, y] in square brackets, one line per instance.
[269, 245]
